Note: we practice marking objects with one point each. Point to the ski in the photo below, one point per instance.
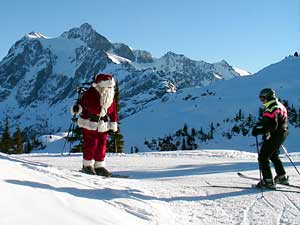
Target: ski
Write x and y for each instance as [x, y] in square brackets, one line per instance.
[256, 178]
[228, 186]
[114, 175]
[250, 188]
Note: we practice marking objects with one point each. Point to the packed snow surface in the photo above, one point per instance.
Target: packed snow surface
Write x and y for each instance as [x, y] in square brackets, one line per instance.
[163, 188]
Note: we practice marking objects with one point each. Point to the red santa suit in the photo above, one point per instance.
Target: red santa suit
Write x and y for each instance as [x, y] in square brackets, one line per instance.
[98, 115]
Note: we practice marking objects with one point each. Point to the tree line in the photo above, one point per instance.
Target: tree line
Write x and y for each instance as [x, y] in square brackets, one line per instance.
[241, 124]
[14, 143]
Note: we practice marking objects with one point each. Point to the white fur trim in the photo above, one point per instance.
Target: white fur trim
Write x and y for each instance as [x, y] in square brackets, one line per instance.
[85, 123]
[102, 126]
[105, 83]
[99, 164]
[114, 126]
[80, 110]
[87, 162]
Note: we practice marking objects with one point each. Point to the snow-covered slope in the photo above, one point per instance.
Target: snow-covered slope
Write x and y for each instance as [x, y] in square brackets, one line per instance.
[170, 188]
[218, 103]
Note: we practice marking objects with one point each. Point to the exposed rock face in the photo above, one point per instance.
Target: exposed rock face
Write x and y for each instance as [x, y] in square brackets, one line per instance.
[40, 71]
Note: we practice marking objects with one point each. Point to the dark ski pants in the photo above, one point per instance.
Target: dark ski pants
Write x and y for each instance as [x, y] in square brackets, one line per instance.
[270, 151]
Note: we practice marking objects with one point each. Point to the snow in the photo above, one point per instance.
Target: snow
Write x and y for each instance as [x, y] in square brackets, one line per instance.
[33, 35]
[201, 109]
[65, 51]
[241, 71]
[163, 188]
[117, 59]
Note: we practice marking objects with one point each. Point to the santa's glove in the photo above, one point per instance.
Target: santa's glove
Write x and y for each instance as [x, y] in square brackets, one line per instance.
[257, 131]
[76, 109]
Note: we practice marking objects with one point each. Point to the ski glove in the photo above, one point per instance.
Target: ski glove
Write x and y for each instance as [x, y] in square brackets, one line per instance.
[76, 108]
[257, 131]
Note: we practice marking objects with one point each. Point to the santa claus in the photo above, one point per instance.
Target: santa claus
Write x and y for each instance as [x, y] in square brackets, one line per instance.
[98, 115]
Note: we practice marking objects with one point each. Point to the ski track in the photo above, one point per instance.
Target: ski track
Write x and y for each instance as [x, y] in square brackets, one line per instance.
[152, 201]
[293, 212]
[246, 220]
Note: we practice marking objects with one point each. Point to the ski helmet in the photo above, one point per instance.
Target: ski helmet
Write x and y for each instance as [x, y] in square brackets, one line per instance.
[267, 93]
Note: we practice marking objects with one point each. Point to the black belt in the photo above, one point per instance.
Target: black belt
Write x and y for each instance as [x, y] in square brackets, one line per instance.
[95, 117]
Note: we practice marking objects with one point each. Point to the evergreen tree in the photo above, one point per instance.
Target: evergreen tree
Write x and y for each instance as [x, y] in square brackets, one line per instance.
[212, 128]
[211, 133]
[18, 141]
[190, 143]
[28, 147]
[6, 141]
[116, 143]
[183, 147]
[193, 132]
[185, 130]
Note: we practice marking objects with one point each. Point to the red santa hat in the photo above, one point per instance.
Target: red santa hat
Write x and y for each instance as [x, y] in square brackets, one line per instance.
[104, 80]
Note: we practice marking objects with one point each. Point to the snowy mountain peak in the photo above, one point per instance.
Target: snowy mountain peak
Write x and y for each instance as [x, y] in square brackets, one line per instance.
[142, 56]
[88, 35]
[87, 27]
[173, 55]
[224, 62]
[83, 32]
[33, 35]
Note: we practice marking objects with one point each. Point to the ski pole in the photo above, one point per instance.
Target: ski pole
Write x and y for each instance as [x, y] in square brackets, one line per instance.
[287, 154]
[69, 131]
[259, 166]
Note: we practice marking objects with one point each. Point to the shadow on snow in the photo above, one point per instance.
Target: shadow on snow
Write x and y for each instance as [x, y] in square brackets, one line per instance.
[110, 194]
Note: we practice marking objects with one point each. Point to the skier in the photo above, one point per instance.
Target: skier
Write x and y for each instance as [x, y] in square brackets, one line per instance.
[274, 128]
[98, 115]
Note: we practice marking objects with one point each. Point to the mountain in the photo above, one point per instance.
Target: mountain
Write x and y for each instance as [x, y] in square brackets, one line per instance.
[40, 75]
[220, 115]
[168, 103]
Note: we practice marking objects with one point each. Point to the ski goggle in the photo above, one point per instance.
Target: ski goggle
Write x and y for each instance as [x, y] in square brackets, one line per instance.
[262, 98]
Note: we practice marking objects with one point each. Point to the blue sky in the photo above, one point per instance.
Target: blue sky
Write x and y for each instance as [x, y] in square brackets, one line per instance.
[247, 34]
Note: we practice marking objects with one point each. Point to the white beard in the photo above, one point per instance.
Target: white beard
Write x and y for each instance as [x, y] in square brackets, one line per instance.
[106, 98]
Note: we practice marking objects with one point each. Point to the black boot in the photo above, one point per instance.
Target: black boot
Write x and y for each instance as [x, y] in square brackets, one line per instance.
[88, 170]
[101, 171]
[268, 183]
[281, 179]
